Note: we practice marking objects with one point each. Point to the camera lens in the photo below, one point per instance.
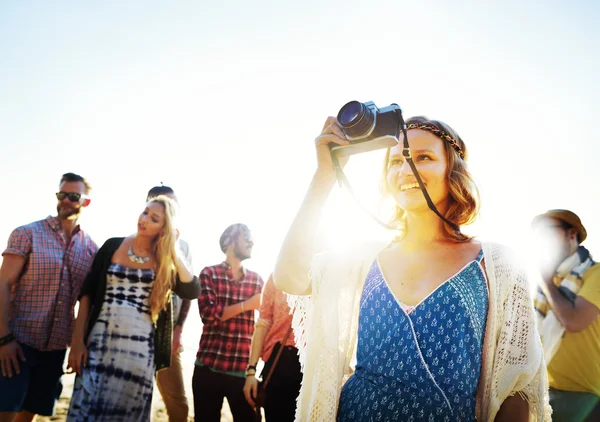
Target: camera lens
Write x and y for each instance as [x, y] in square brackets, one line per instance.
[349, 112]
[356, 119]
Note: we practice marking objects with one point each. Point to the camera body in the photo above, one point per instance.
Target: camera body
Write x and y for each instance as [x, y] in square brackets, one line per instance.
[367, 127]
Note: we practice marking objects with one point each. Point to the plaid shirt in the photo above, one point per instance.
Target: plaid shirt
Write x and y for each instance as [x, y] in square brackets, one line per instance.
[225, 345]
[44, 296]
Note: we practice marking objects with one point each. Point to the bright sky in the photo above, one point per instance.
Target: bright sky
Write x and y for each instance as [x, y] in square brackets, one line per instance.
[222, 101]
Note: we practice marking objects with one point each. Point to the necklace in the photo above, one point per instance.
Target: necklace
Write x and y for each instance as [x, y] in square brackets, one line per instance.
[137, 259]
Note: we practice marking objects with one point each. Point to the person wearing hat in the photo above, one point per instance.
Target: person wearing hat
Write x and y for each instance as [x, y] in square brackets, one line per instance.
[568, 305]
[228, 297]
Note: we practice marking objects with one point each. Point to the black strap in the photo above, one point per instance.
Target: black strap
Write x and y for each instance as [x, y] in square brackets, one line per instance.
[406, 153]
[257, 411]
[408, 157]
[277, 356]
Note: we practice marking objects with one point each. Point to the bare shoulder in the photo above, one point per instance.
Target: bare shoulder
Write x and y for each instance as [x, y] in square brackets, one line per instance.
[124, 246]
[461, 252]
[470, 249]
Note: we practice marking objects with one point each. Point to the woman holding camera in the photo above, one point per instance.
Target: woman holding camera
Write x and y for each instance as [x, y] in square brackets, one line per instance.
[432, 326]
[123, 332]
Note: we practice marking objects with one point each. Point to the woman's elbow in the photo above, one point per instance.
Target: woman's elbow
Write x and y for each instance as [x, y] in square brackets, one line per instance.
[289, 283]
[189, 290]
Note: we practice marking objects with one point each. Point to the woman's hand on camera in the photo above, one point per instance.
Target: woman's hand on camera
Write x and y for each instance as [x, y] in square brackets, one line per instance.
[331, 134]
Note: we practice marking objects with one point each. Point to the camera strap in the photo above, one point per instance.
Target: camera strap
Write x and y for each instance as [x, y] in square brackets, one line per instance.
[343, 180]
[409, 160]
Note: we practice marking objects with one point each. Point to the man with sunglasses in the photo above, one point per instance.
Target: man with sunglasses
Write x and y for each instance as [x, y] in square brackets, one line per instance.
[43, 269]
[568, 305]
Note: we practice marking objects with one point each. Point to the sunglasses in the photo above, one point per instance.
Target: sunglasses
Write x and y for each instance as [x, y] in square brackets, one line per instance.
[73, 196]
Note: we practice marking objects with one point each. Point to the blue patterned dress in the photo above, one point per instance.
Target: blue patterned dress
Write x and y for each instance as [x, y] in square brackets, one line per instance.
[418, 363]
[117, 383]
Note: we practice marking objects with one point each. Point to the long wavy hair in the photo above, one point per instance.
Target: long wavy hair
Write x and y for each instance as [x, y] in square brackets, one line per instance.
[165, 257]
[463, 195]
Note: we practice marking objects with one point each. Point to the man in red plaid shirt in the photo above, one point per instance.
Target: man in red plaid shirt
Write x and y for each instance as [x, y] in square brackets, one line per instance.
[229, 295]
[43, 269]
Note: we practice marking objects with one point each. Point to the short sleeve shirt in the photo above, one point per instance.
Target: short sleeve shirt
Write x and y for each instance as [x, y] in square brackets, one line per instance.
[576, 364]
[44, 296]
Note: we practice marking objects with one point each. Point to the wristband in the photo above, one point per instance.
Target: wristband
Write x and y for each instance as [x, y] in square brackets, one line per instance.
[10, 337]
[242, 305]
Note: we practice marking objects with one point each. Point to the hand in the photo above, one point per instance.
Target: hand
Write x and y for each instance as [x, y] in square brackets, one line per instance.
[176, 340]
[78, 357]
[547, 272]
[250, 389]
[9, 357]
[331, 134]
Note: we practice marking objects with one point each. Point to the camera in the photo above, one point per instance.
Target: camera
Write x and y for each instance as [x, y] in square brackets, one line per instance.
[367, 127]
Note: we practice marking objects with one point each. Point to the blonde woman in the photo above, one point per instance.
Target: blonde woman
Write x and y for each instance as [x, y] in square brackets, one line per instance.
[124, 326]
[434, 326]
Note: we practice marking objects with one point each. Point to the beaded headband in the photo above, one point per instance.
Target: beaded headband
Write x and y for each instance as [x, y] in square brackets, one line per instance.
[440, 134]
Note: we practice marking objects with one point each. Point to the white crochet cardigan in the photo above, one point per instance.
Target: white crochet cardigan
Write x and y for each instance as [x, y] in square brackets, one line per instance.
[326, 325]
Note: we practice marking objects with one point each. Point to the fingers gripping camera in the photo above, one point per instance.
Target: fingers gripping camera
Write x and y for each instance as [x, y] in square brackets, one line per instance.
[367, 127]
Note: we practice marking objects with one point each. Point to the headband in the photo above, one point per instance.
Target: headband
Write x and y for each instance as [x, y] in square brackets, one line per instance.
[440, 134]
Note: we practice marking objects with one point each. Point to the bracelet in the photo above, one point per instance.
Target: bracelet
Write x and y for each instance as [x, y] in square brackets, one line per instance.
[250, 374]
[10, 337]
[242, 305]
[249, 367]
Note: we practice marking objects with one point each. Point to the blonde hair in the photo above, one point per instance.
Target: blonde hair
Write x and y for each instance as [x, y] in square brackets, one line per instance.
[463, 195]
[165, 257]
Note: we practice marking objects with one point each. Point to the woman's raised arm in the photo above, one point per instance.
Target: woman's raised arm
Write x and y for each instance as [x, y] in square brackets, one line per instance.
[295, 255]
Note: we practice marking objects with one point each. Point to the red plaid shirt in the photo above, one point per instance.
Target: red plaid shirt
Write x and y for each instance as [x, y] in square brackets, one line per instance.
[44, 296]
[225, 345]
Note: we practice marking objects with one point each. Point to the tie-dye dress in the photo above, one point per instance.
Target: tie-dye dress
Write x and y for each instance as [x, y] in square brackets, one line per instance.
[418, 363]
[117, 383]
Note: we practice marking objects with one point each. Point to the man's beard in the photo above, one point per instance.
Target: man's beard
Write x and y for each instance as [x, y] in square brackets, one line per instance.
[239, 255]
[67, 213]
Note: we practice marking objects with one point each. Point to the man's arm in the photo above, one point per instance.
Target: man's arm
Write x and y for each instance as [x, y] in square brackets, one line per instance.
[237, 308]
[256, 347]
[574, 316]
[12, 266]
[211, 310]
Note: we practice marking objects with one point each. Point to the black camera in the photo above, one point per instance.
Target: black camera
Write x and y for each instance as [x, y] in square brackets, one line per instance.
[367, 127]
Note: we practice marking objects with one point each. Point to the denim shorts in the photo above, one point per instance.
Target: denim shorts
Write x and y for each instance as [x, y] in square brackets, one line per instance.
[37, 387]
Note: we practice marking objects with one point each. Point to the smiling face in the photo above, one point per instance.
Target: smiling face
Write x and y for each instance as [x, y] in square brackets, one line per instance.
[429, 155]
[152, 220]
